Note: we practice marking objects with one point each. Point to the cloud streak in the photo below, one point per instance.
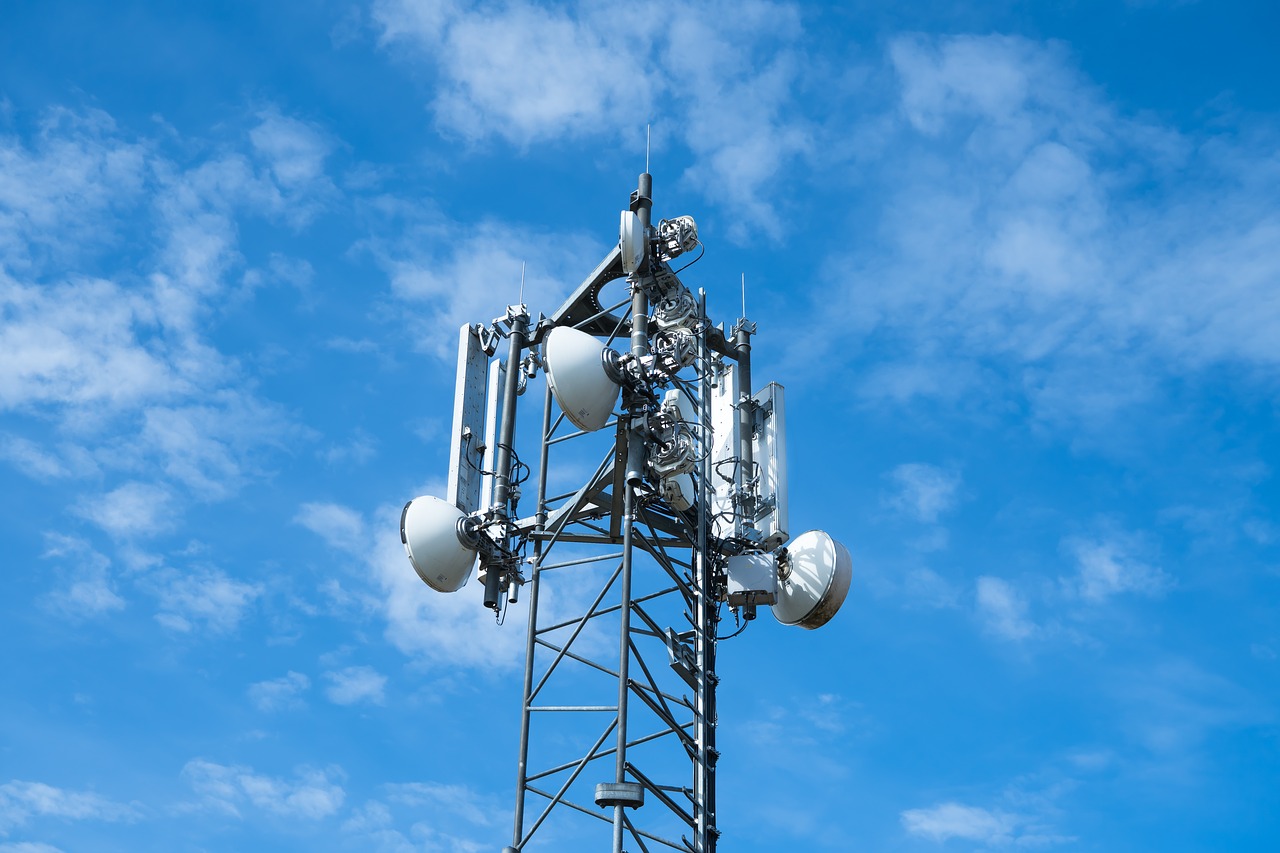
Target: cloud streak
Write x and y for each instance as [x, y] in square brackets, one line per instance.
[22, 801]
[312, 795]
[526, 73]
[1035, 241]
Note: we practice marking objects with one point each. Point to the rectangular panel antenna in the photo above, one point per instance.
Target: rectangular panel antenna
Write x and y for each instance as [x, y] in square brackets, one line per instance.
[497, 376]
[725, 432]
[769, 446]
[466, 449]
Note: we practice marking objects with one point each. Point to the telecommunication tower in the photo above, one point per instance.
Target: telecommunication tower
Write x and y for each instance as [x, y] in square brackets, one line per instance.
[630, 570]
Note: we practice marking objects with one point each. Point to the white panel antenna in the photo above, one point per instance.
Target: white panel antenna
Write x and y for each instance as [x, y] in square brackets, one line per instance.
[770, 449]
[768, 443]
[497, 375]
[725, 432]
[466, 447]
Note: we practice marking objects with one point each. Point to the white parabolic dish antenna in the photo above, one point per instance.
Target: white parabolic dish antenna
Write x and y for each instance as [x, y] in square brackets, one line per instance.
[575, 371]
[820, 572]
[429, 531]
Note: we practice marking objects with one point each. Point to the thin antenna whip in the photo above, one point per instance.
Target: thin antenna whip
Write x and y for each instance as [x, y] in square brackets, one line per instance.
[646, 149]
[744, 296]
[521, 300]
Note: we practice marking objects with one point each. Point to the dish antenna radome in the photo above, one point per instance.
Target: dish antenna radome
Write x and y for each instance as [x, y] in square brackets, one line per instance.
[578, 372]
[441, 552]
[814, 582]
[631, 241]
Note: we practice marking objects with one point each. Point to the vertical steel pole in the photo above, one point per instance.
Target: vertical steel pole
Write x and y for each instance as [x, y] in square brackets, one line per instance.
[706, 620]
[505, 449]
[522, 768]
[624, 660]
[507, 429]
[642, 204]
[746, 424]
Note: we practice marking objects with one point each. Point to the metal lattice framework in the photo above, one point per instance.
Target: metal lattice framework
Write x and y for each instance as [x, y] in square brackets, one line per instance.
[642, 707]
[657, 599]
[626, 574]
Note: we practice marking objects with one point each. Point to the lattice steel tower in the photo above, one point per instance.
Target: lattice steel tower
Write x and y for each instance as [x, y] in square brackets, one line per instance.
[629, 572]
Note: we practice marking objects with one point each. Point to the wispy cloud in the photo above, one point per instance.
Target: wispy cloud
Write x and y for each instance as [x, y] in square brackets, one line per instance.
[313, 794]
[203, 598]
[294, 150]
[946, 821]
[30, 458]
[443, 818]
[355, 684]
[925, 587]
[133, 509]
[281, 693]
[1037, 240]
[339, 526]
[451, 273]
[87, 588]
[1172, 707]
[1109, 567]
[61, 195]
[21, 801]
[528, 73]
[1003, 610]
[114, 256]
[923, 491]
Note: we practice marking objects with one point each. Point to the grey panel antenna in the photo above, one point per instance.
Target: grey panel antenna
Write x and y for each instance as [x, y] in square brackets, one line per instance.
[466, 447]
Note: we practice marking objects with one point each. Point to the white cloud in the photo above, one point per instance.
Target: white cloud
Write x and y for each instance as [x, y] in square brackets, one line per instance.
[29, 847]
[723, 75]
[1109, 567]
[79, 343]
[210, 446]
[457, 800]
[453, 273]
[437, 813]
[295, 150]
[360, 449]
[30, 458]
[279, 693]
[202, 597]
[1172, 707]
[1002, 609]
[945, 821]
[532, 73]
[927, 588]
[116, 362]
[59, 197]
[21, 801]
[1036, 240]
[354, 684]
[89, 594]
[313, 794]
[133, 509]
[923, 491]
[340, 527]
[87, 590]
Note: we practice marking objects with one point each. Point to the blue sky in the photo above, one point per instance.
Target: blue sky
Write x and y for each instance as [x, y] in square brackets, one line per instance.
[1016, 266]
